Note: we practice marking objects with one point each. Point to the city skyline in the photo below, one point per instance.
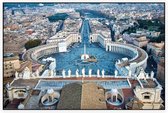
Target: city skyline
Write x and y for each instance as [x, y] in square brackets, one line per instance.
[54, 51]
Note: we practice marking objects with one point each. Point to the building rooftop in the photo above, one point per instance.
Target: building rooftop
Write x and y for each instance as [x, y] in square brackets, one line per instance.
[6, 55]
[158, 45]
[92, 96]
[97, 27]
[11, 58]
[35, 66]
[24, 83]
[70, 97]
[107, 84]
[23, 66]
[14, 104]
[60, 35]
[82, 96]
[33, 101]
[72, 25]
[141, 38]
[148, 83]
[162, 63]
[89, 94]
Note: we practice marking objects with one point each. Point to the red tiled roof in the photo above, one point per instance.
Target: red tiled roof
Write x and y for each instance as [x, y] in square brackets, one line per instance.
[127, 93]
[134, 83]
[35, 67]
[14, 104]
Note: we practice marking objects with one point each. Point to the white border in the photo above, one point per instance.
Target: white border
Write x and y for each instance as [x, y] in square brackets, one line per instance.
[97, 111]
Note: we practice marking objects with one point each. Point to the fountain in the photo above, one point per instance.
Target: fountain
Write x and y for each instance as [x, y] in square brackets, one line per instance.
[114, 97]
[51, 97]
[86, 57]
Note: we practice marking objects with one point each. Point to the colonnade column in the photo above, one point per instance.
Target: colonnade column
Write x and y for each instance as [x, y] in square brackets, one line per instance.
[110, 48]
[116, 97]
[106, 47]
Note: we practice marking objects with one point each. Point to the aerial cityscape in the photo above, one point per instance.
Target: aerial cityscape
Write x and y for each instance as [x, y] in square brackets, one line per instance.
[79, 56]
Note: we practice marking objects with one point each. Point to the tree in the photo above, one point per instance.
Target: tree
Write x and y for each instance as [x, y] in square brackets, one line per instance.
[32, 43]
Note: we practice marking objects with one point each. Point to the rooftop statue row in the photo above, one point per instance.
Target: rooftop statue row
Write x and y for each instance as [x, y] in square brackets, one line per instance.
[27, 74]
[83, 73]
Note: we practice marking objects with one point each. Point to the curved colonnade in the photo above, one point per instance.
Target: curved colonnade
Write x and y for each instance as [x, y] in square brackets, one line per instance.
[137, 54]
[35, 53]
[114, 97]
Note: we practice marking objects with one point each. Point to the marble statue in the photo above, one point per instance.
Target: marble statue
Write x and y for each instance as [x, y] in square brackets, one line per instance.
[21, 106]
[98, 73]
[90, 72]
[103, 73]
[16, 75]
[20, 75]
[115, 73]
[152, 74]
[147, 75]
[26, 73]
[119, 61]
[33, 75]
[54, 72]
[37, 73]
[69, 73]
[77, 73]
[83, 72]
[51, 73]
[7, 85]
[129, 73]
[106, 48]
[52, 65]
[63, 73]
[142, 74]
